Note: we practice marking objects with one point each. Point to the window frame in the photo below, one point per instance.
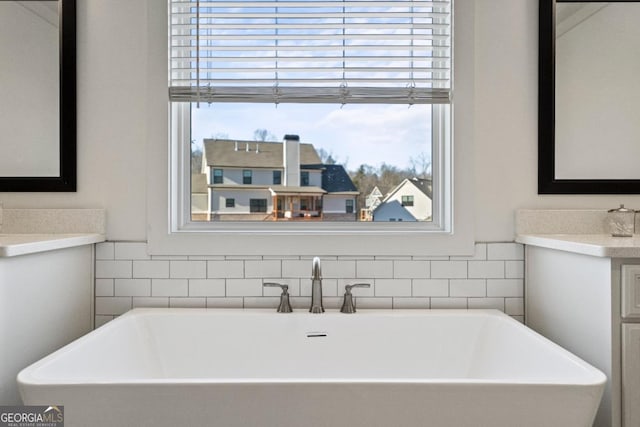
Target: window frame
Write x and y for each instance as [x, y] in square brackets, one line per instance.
[217, 179]
[409, 200]
[279, 174]
[170, 232]
[229, 202]
[349, 206]
[247, 177]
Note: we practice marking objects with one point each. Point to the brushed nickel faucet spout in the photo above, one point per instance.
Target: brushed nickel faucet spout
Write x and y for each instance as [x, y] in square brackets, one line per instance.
[316, 287]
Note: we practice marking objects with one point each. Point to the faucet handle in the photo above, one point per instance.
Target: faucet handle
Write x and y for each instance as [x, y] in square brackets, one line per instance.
[285, 305]
[348, 306]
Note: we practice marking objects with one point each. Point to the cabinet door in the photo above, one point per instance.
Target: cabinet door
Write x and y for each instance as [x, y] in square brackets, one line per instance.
[631, 291]
[631, 375]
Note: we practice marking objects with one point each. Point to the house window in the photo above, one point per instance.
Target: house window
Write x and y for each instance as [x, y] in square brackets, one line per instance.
[349, 206]
[278, 56]
[217, 176]
[304, 178]
[230, 203]
[257, 205]
[407, 200]
[247, 176]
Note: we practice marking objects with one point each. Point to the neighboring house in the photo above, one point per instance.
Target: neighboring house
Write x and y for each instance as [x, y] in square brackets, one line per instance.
[372, 201]
[251, 180]
[408, 201]
[199, 198]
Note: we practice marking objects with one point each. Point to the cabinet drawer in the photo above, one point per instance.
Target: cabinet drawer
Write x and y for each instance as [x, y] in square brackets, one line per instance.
[631, 291]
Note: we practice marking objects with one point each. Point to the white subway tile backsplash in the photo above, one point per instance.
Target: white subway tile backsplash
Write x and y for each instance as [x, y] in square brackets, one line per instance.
[104, 287]
[375, 269]
[105, 251]
[505, 288]
[207, 288]
[373, 303]
[296, 268]
[151, 269]
[412, 303]
[448, 269]
[468, 288]
[392, 288]
[448, 303]
[261, 269]
[127, 277]
[411, 269]
[112, 305]
[188, 269]
[244, 287]
[132, 287]
[486, 269]
[177, 302]
[430, 287]
[514, 269]
[113, 269]
[169, 287]
[225, 303]
[225, 269]
[486, 303]
[338, 269]
[261, 302]
[150, 302]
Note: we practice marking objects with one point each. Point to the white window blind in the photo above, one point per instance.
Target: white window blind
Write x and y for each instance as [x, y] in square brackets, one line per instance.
[329, 51]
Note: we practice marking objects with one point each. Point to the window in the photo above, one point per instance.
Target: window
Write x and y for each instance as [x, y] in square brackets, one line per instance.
[304, 178]
[230, 203]
[257, 205]
[349, 68]
[247, 176]
[217, 176]
[172, 227]
[407, 200]
[349, 206]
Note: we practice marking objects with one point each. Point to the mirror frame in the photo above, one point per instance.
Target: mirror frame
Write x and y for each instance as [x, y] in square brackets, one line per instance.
[547, 182]
[66, 181]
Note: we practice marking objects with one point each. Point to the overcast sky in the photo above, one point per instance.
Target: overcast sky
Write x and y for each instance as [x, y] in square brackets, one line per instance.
[355, 134]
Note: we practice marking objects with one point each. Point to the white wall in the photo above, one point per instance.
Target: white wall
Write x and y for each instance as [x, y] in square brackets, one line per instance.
[112, 110]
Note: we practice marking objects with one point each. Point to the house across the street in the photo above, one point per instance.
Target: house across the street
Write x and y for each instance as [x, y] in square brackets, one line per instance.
[263, 181]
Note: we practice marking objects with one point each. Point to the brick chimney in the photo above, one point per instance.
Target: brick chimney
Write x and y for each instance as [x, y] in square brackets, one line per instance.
[291, 160]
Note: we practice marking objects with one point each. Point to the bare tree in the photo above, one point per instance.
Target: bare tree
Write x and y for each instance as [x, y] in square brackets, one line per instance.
[421, 165]
[263, 135]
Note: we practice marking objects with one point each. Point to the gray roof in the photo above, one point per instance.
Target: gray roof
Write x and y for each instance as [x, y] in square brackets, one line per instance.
[222, 153]
[335, 178]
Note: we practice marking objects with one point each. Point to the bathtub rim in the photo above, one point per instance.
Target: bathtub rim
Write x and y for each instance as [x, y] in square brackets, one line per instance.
[593, 377]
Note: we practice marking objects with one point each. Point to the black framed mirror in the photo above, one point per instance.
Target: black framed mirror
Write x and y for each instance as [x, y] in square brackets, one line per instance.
[42, 158]
[588, 147]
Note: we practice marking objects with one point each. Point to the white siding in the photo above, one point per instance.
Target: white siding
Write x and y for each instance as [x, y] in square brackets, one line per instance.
[315, 178]
[421, 208]
[242, 197]
[234, 176]
[336, 204]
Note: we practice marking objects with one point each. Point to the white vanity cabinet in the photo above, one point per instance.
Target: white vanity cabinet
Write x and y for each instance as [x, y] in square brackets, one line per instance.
[586, 297]
[46, 299]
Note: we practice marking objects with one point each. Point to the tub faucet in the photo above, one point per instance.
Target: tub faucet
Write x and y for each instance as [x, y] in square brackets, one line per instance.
[316, 287]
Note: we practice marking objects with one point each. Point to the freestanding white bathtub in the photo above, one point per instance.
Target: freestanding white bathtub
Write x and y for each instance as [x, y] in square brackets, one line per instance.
[258, 368]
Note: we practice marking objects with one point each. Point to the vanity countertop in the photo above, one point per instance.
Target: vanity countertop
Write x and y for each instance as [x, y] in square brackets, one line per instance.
[23, 244]
[600, 245]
